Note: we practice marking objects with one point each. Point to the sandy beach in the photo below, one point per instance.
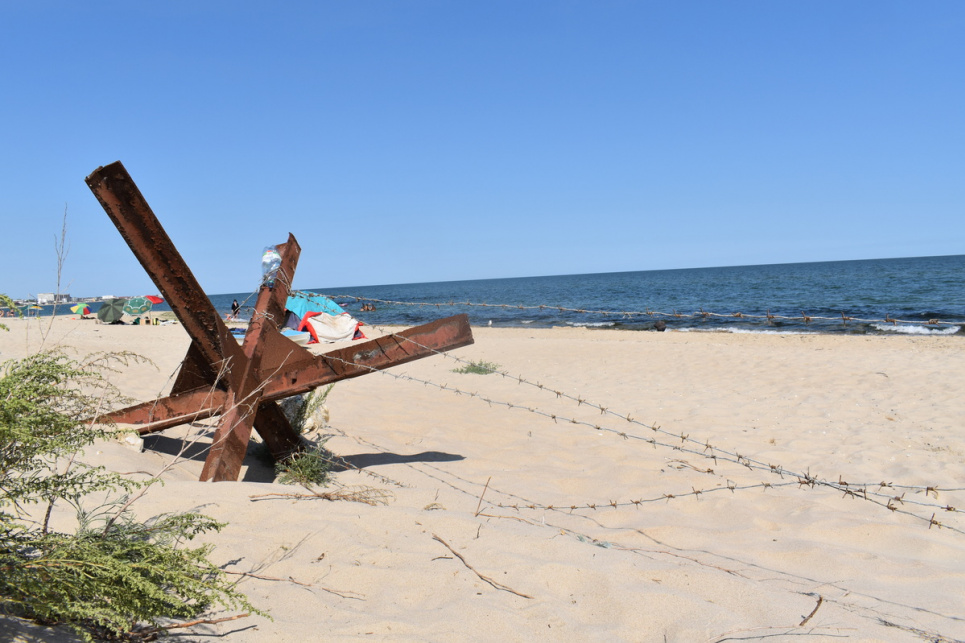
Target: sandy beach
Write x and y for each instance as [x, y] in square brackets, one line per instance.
[617, 486]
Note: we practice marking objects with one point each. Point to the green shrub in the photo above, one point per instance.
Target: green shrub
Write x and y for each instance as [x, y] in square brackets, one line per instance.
[306, 413]
[307, 468]
[477, 368]
[6, 302]
[113, 574]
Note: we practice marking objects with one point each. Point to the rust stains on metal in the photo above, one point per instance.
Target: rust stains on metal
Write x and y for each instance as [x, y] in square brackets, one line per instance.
[241, 384]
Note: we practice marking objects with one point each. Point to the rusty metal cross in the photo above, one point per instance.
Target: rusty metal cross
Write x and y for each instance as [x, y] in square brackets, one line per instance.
[242, 384]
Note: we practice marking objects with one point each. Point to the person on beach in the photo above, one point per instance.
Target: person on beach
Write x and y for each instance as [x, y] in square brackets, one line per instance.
[235, 309]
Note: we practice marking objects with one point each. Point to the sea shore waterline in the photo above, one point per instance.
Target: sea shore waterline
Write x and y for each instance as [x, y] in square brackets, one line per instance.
[839, 297]
[917, 296]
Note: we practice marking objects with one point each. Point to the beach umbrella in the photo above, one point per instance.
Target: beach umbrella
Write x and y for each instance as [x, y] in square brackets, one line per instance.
[137, 306]
[83, 309]
[34, 307]
[153, 299]
[111, 310]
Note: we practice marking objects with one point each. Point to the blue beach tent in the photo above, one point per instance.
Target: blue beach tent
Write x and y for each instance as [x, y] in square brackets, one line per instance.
[312, 302]
[322, 317]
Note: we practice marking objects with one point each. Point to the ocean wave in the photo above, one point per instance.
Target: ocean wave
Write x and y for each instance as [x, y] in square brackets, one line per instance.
[745, 331]
[908, 329]
[591, 324]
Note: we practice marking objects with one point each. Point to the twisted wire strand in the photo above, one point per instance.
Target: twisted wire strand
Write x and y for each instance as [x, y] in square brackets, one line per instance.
[807, 480]
[446, 477]
[687, 444]
[853, 490]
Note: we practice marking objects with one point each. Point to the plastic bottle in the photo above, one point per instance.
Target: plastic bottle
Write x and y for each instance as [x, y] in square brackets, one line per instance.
[270, 261]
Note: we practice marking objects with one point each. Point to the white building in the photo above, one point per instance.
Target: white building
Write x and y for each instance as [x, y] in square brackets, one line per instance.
[50, 298]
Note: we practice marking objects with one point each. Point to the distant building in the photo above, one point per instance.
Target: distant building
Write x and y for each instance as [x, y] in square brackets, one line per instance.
[44, 298]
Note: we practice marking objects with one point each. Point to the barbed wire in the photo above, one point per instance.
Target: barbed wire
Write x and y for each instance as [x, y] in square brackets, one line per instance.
[864, 491]
[896, 497]
[868, 491]
[726, 564]
[745, 569]
[280, 276]
[632, 314]
[581, 401]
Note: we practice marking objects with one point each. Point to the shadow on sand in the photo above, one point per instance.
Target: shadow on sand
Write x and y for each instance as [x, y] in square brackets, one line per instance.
[254, 468]
[363, 460]
[197, 451]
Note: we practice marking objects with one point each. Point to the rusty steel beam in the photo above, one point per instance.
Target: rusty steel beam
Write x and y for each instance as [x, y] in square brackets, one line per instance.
[242, 383]
[196, 371]
[281, 444]
[271, 423]
[230, 441]
[375, 354]
[140, 228]
[165, 412]
[213, 349]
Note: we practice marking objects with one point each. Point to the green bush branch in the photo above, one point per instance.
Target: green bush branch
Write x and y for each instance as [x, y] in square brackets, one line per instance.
[114, 574]
[6, 302]
[477, 368]
[313, 465]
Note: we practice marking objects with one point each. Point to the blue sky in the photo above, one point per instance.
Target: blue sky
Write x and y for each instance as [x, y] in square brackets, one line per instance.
[436, 140]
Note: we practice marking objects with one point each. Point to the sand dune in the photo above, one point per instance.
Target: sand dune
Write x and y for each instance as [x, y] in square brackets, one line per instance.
[551, 508]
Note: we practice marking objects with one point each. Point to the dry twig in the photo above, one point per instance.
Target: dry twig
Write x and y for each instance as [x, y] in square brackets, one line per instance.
[200, 621]
[808, 617]
[346, 594]
[479, 504]
[367, 495]
[481, 577]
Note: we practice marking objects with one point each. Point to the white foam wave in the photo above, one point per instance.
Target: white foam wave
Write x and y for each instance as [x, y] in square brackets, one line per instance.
[909, 329]
[744, 331]
[591, 325]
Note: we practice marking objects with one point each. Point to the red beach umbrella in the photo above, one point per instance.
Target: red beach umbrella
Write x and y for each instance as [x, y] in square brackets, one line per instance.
[153, 299]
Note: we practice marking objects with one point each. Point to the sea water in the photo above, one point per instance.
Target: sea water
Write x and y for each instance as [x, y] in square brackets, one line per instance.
[910, 289]
[915, 289]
